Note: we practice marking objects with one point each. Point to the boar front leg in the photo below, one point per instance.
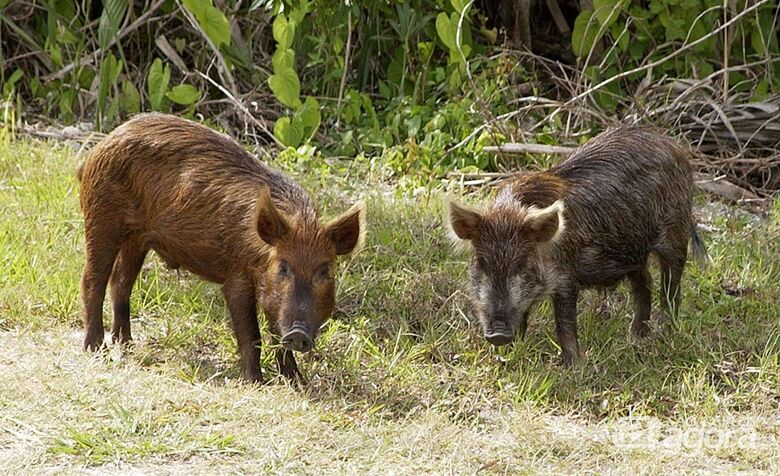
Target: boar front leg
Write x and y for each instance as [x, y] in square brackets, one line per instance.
[242, 305]
[565, 309]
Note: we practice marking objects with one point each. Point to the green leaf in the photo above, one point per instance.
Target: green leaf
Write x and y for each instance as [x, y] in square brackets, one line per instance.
[583, 37]
[110, 20]
[297, 14]
[290, 133]
[607, 11]
[131, 98]
[310, 116]
[8, 86]
[184, 94]
[284, 31]
[444, 29]
[286, 87]
[283, 58]
[459, 5]
[157, 84]
[211, 20]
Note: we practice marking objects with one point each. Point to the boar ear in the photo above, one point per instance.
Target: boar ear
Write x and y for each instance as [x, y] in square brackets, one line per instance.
[270, 224]
[463, 223]
[546, 224]
[348, 231]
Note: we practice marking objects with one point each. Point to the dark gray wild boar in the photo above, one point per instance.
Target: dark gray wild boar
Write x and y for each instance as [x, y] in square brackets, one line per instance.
[591, 221]
[203, 203]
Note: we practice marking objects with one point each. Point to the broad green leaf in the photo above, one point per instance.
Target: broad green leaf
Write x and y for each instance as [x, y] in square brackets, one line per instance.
[310, 115]
[284, 31]
[459, 5]
[184, 94]
[110, 20]
[283, 58]
[297, 14]
[157, 84]
[583, 37]
[607, 11]
[289, 132]
[211, 20]
[286, 87]
[445, 31]
[131, 98]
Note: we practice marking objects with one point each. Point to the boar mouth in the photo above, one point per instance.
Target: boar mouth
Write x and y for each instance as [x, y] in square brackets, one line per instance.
[499, 333]
[299, 339]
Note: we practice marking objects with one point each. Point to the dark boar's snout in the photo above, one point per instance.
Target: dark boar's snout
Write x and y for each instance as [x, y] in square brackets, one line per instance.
[499, 331]
[299, 339]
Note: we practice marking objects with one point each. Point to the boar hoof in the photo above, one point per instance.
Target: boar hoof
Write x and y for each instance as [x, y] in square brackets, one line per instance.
[298, 340]
[94, 343]
[252, 376]
[499, 338]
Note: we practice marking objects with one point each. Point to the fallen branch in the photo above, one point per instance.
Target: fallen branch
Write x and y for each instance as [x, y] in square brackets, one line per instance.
[513, 148]
[66, 133]
[723, 188]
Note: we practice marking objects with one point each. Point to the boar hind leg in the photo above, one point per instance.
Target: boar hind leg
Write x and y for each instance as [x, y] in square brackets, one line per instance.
[641, 287]
[565, 309]
[100, 260]
[126, 268]
[242, 305]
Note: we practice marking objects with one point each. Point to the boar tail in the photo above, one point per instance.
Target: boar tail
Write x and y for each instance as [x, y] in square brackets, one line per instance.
[700, 254]
[79, 171]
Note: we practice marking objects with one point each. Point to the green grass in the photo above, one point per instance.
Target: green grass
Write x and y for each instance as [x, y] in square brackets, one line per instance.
[401, 380]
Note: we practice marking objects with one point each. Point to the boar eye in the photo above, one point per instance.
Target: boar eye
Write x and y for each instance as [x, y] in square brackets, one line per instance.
[323, 272]
[284, 269]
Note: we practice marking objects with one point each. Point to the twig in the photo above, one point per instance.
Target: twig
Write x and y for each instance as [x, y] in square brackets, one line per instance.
[513, 148]
[346, 63]
[165, 46]
[243, 108]
[89, 59]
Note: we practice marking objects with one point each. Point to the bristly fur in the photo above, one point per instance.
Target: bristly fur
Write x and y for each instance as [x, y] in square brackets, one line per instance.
[627, 197]
[202, 202]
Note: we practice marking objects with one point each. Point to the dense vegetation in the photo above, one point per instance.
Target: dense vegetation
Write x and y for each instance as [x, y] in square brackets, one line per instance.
[422, 84]
[394, 102]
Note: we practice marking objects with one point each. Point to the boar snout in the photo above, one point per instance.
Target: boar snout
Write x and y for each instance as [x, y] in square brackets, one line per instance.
[499, 331]
[299, 339]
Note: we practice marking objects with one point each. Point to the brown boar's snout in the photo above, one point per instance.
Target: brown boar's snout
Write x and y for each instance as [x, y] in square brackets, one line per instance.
[298, 339]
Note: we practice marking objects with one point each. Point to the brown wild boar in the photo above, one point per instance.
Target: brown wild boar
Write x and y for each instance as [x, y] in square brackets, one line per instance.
[202, 202]
[590, 221]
